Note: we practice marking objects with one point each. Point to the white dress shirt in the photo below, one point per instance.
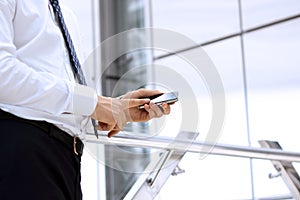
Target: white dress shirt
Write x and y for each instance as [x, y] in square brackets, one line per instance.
[37, 81]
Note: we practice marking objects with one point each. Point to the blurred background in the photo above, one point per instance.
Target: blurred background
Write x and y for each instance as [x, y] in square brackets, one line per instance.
[254, 45]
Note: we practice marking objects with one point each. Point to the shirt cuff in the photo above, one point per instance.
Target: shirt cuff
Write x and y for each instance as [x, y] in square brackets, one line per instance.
[84, 100]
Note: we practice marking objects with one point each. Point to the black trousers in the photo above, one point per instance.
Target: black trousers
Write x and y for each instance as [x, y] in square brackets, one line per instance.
[36, 166]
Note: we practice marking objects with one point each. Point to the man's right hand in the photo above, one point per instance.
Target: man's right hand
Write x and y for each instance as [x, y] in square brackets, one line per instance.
[112, 113]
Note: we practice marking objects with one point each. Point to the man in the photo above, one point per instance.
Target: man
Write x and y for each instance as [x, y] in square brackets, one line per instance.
[43, 108]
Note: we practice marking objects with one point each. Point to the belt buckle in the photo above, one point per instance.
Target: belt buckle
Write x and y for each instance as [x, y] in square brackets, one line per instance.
[74, 145]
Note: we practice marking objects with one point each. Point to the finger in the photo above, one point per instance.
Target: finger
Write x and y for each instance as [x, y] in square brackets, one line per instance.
[153, 110]
[151, 113]
[113, 132]
[167, 108]
[147, 93]
[104, 126]
[159, 110]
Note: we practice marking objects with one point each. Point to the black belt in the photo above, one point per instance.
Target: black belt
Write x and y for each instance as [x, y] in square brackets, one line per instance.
[72, 143]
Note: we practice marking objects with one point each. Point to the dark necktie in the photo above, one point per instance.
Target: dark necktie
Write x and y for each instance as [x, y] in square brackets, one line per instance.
[70, 47]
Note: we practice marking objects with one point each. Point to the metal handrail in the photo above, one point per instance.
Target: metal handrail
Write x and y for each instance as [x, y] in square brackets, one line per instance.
[196, 146]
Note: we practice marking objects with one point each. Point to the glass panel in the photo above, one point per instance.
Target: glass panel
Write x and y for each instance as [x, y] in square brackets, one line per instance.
[175, 74]
[214, 173]
[272, 60]
[265, 187]
[201, 20]
[214, 177]
[226, 57]
[124, 163]
[257, 12]
[274, 83]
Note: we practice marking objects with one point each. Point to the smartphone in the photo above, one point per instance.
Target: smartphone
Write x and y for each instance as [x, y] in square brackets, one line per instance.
[158, 99]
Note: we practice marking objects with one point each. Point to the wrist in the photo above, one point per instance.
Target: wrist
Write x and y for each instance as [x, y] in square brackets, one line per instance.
[94, 115]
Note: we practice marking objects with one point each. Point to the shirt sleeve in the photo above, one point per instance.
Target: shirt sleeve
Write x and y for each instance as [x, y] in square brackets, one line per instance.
[22, 86]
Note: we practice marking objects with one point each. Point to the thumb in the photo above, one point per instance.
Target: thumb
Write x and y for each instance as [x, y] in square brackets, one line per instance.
[131, 103]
